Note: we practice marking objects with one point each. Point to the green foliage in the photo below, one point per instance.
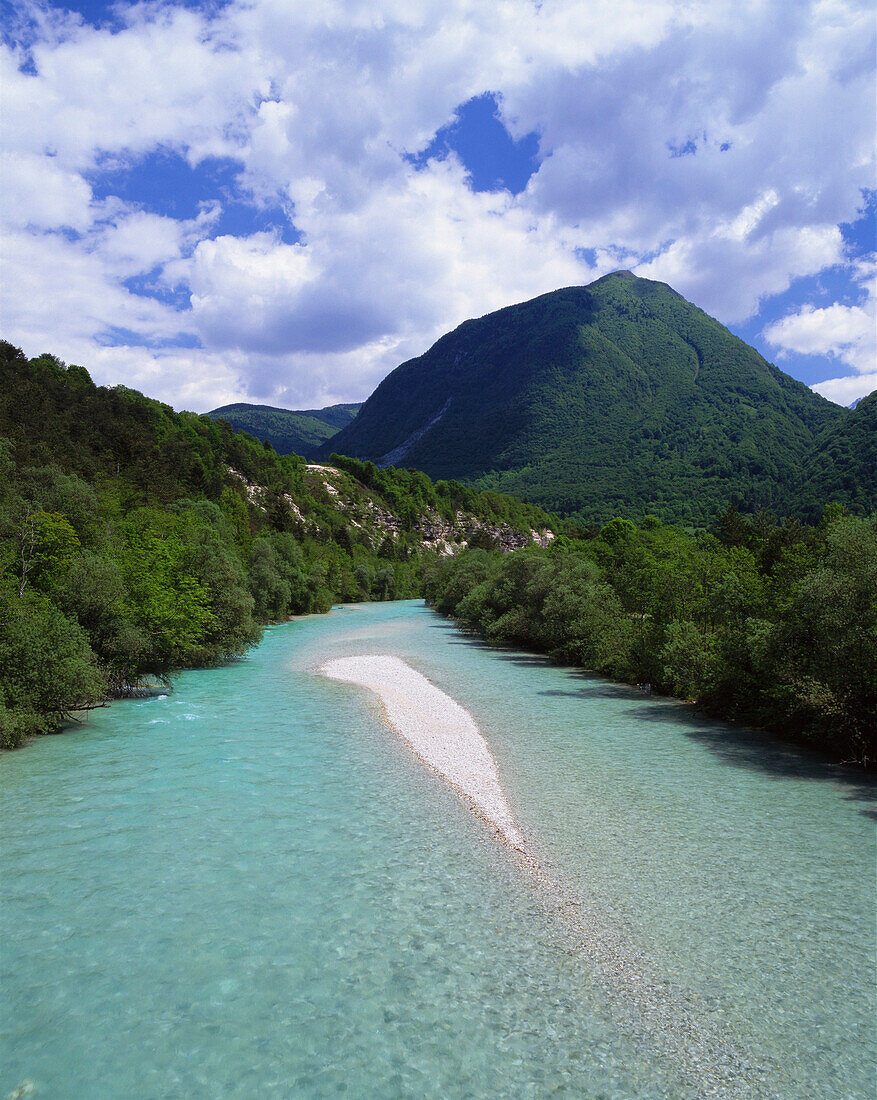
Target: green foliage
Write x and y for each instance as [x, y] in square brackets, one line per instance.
[278, 580]
[826, 640]
[410, 493]
[47, 544]
[842, 466]
[48, 668]
[94, 594]
[617, 399]
[770, 623]
[690, 658]
[136, 541]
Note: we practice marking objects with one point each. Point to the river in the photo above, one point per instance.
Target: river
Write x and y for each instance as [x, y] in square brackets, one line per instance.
[253, 888]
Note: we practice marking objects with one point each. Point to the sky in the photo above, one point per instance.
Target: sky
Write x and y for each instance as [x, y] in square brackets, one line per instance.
[279, 201]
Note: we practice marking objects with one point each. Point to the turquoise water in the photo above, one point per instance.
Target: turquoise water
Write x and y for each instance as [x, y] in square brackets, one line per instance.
[252, 888]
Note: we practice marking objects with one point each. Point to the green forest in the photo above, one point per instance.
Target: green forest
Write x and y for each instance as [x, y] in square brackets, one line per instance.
[289, 431]
[767, 622]
[136, 541]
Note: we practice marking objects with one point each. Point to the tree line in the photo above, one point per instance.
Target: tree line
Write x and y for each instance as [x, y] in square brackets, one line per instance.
[768, 622]
[136, 541]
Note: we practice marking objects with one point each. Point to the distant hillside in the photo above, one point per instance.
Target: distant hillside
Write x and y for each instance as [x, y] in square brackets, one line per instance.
[289, 431]
[618, 398]
[842, 466]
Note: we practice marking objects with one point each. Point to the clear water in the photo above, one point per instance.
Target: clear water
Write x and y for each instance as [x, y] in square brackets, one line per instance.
[251, 888]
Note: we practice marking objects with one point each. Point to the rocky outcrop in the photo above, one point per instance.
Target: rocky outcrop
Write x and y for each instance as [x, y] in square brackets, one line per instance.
[437, 532]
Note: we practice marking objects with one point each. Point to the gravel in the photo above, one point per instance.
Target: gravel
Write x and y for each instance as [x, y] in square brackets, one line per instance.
[670, 1020]
[439, 730]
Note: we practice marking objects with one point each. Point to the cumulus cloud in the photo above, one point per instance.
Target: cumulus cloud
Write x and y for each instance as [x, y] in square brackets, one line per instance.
[169, 78]
[48, 275]
[844, 391]
[730, 280]
[692, 142]
[845, 333]
[38, 193]
[716, 152]
[363, 291]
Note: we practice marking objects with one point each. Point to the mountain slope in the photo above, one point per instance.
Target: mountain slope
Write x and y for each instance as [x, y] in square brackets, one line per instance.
[842, 466]
[141, 453]
[618, 398]
[289, 431]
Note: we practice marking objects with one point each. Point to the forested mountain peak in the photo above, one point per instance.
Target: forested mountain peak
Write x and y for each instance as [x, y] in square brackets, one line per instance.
[619, 397]
[289, 431]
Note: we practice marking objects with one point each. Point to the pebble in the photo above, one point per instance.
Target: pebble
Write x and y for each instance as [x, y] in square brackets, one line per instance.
[440, 731]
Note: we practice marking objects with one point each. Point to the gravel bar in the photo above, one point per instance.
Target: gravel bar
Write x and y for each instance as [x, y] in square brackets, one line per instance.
[440, 731]
[445, 737]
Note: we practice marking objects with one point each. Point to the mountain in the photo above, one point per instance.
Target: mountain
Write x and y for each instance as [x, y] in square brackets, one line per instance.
[289, 431]
[617, 398]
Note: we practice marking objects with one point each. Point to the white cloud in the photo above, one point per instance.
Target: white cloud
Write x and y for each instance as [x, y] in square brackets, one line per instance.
[366, 292]
[166, 79]
[46, 276]
[767, 83]
[131, 241]
[845, 333]
[319, 104]
[186, 379]
[844, 391]
[729, 281]
[36, 192]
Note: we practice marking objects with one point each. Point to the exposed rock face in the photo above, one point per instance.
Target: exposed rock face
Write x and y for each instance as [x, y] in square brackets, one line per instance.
[256, 494]
[394, 457]
[436, 531]
[376, 522]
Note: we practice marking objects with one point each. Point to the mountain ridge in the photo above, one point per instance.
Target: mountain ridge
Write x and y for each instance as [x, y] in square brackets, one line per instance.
[289, 431]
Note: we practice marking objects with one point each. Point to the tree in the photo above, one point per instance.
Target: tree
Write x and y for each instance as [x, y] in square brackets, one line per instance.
[690, 658]
[828, 641]
[49, 669]
[385, 583]
[364, 577]
[47, 544]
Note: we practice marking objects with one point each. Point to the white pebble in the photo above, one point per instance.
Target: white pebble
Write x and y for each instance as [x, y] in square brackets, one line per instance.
[440, 731]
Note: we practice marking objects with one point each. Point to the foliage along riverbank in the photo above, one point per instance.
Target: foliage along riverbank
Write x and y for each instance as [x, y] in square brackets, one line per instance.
[135, 541]
[769, 623]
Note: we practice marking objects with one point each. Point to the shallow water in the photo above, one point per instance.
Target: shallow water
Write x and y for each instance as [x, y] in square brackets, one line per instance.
[253, 888]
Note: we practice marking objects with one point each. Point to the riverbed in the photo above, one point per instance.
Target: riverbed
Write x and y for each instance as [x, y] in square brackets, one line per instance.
[254, 887]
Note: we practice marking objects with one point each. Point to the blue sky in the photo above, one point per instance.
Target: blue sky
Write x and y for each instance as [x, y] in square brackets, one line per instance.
[270, 202]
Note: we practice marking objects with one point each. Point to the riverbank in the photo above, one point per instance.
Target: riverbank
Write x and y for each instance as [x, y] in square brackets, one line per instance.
[759, 623]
